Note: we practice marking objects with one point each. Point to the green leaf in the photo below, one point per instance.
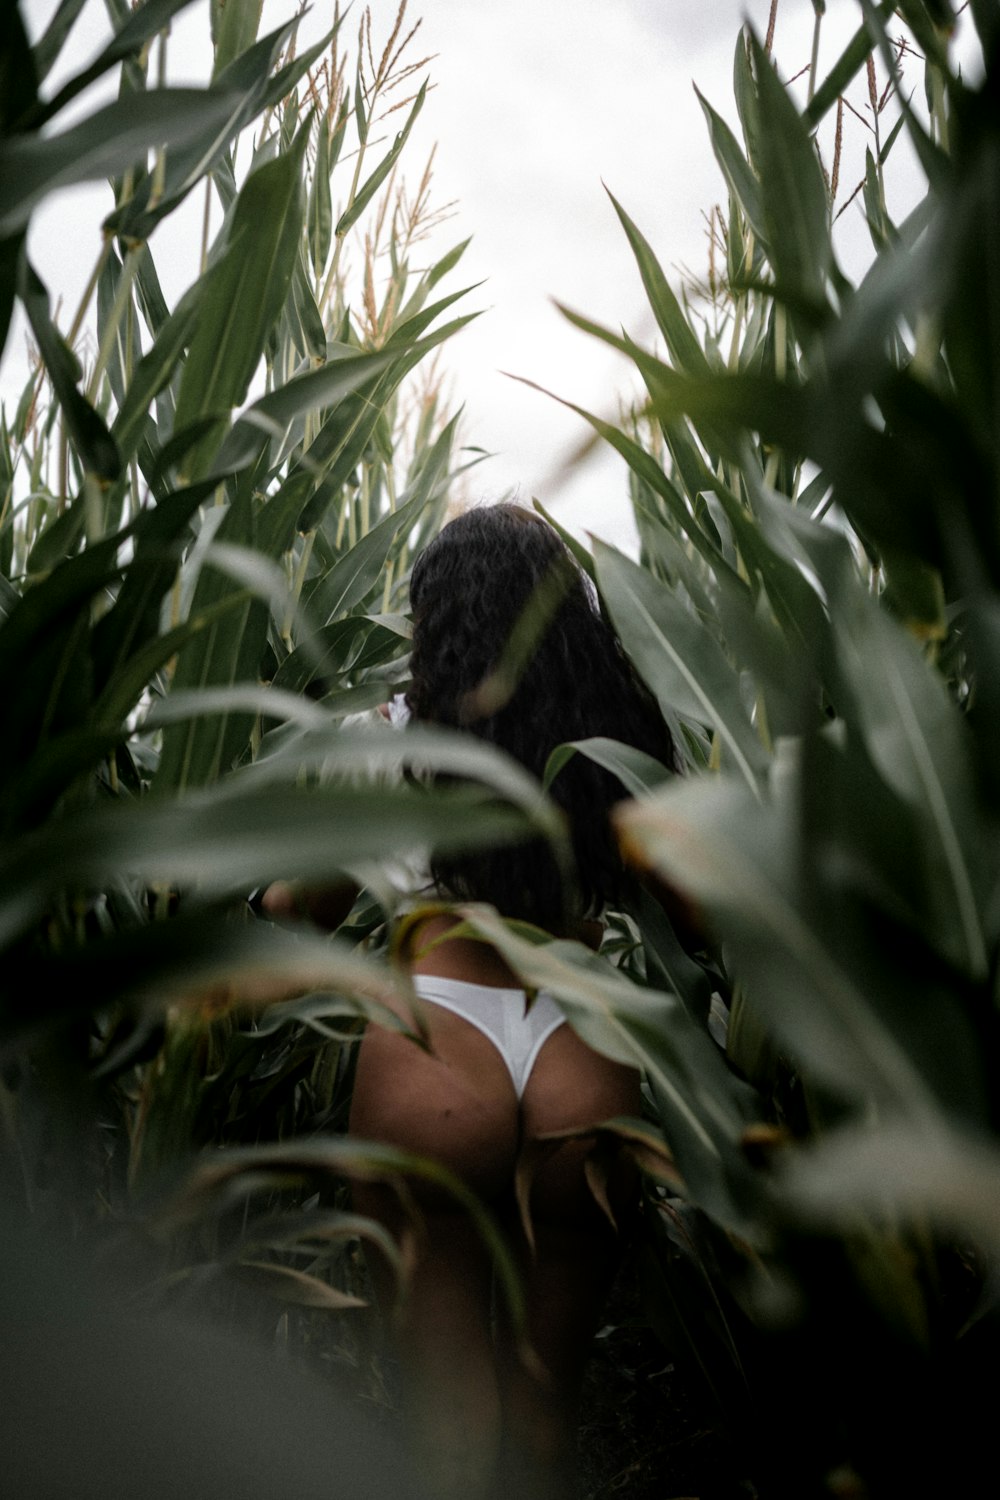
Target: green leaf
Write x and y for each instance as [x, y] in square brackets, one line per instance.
[234, 29]
[879, 226]
[320, 215]
[793, 193]
[850, 62]
[735, 168]
[916, 1172]
[49, 44]
[244, 85]
[360, 116]
[48, 627]
[134, 617]
[787, 415]
[128, 679]
[678, 659]
[180, 706]
[140, 27]
[355, 574]
[987, 22]
[650, 472]
[36, 783]
[637, 771]
[578, 550]
[383, 753]
[372, 184]
[94, 443]
[101, 145]
[344, 437]
[736, 858]
[245, 291]
[917, 740]
[227, 652]
[152, 374]
[430, 278]
[229, 842]
[685, 350]
[322, 656]
[10, 257]
[115, 321]
[272, 414]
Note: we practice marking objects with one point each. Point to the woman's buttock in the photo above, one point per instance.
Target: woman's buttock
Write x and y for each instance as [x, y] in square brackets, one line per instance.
[496, 1070]
[453, 1100]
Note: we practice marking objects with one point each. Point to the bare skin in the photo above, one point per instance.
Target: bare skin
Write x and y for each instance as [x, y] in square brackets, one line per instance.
[481, 1414]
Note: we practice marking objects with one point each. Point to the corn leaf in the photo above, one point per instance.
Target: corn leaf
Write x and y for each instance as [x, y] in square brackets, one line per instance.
[678, 659]
[31, 166]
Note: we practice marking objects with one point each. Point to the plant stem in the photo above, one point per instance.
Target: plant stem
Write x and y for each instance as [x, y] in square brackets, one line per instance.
[81, 312]
[939, 107]
[355, 183]
[296, 591]
[814, 59]
[63, 467]
[92, 508]
[780, 341]
[205, 222]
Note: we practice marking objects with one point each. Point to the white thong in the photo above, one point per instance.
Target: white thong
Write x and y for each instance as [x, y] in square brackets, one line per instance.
[518, 1031]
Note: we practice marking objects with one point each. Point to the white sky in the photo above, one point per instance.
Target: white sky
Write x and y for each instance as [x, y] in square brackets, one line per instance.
[535, 103]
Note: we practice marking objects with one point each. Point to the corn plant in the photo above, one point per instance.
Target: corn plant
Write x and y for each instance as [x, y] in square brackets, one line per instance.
[814, 477]
[205, 532]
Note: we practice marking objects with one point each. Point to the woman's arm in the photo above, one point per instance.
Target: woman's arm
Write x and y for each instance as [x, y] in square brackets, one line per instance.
[326, 905]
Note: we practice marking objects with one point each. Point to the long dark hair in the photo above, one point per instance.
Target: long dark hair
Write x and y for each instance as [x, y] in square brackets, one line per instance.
[509, 643]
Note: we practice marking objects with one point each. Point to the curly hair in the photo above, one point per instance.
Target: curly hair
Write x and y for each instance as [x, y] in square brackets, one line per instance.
[509, 643]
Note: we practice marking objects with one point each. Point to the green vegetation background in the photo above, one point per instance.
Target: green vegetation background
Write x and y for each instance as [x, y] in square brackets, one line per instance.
[204, 577]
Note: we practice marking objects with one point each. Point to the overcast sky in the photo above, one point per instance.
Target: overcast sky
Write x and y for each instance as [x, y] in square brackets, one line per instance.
[536, 102]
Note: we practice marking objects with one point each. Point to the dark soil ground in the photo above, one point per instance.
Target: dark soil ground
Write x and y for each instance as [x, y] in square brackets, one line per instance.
[646, 1433]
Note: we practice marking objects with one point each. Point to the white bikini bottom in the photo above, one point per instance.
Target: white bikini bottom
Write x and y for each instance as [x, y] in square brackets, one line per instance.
[517, 1031]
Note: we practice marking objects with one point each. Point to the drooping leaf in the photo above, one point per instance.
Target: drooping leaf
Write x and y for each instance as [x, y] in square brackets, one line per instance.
[31, 166]
[244, 86]
[19, 72]
[224, 843]
[637, 772]
[139, 27]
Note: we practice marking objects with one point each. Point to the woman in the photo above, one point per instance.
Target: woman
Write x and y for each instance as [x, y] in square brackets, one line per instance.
[510, 645]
